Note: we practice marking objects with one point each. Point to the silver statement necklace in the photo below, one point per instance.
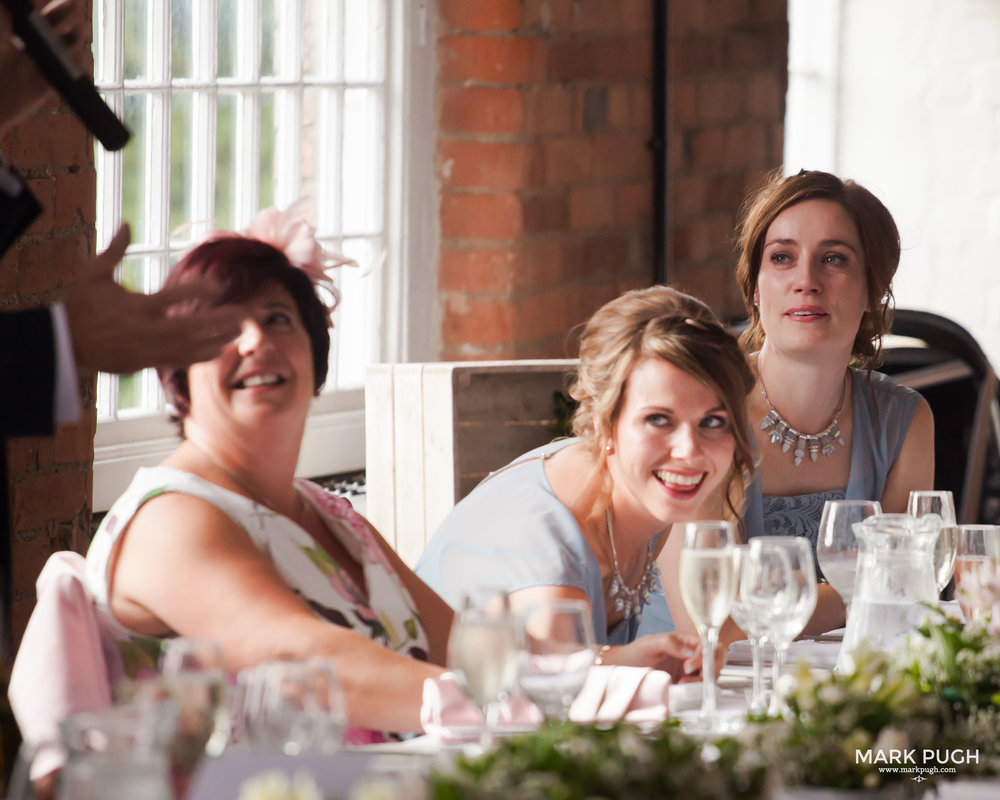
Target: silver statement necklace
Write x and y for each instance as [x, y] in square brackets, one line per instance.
[812, 443]
[624, 599]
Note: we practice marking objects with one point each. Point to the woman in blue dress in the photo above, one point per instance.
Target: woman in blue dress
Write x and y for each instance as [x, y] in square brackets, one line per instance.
[661, 434]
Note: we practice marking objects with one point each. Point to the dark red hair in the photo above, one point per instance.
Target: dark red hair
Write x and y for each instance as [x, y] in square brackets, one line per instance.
[242, 267]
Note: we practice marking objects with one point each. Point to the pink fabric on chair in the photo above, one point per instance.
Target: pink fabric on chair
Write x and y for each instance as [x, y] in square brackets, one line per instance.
[637, 695]
[60, 668]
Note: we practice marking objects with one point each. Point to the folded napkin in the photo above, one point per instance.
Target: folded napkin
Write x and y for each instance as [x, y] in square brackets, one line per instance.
[821, 654]
[638, 695]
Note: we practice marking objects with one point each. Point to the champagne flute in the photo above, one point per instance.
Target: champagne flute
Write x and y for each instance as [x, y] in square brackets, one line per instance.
[482, 652]
[557, 651]
[708, 586]
[978, 545]
[836, 545]
[924, 503]
[750, 623]
[782, 589]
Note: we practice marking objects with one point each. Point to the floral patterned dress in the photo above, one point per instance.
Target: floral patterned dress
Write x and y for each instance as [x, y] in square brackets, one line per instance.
[385, 613]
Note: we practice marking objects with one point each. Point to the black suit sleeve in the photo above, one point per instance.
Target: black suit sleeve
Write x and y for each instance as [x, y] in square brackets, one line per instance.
[27, 373]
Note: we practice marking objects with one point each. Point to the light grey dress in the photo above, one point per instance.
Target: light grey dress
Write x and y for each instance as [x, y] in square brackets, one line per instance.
[883, 412]
[513, 533]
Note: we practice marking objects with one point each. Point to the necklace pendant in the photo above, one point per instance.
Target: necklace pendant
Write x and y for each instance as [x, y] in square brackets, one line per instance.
[813, 449]
[769, 419]
[788, 440]
[619, 604]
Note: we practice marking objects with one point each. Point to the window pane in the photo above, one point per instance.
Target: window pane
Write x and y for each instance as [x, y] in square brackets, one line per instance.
[227, 38]
[181, 64]
[362, 163]
[135, 39]
[268, 40]
[324, 49]
[321, 141]
[135, 189]
[267, 137]
[364, 53]
[355, 340]
[181, 160]
[225, 162]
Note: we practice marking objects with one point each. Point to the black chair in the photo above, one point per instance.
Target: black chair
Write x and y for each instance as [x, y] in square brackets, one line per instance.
[945, 363]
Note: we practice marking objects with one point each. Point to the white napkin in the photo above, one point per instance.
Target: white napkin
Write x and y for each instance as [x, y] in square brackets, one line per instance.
[815, 653]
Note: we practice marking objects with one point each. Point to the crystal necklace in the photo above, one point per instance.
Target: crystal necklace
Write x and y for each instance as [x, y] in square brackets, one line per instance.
[623, 599]
[812, 443]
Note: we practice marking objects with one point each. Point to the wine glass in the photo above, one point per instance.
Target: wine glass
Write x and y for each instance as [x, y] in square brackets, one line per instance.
[836, 545]
[924, 503]
[977, 546]
[482, 652]
[781, 588]
[749, 622]
[708, 586]
[557, 651]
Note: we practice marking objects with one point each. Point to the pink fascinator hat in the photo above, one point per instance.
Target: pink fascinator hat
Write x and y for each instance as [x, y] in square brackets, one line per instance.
[288, 231]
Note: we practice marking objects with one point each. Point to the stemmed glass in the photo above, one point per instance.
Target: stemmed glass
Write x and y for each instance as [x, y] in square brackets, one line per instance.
[482, 652]
[781, 588]
[924, 503]
[977, 546]
[749, 622]
[836, 545]
[557, 651]
[708, 586]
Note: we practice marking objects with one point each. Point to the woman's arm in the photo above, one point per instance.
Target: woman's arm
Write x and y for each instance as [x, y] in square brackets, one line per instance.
[914, 467]
[186, 567]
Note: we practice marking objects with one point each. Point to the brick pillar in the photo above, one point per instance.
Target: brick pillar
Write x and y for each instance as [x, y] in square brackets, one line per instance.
[51, 477]
[728, 76]
[544, 169]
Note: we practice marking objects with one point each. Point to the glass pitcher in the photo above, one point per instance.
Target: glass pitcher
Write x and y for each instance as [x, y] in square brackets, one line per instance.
[895, 579]
[118, 753]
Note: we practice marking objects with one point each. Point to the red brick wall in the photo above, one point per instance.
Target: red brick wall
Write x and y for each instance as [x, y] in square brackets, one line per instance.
[728, 62]
[544, 171]
[50, 477]
[543, 163]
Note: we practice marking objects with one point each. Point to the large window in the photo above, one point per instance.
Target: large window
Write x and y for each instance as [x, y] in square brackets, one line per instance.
[235, 105]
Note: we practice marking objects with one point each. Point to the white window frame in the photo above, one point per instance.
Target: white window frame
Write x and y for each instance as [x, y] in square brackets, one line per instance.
[335, 440]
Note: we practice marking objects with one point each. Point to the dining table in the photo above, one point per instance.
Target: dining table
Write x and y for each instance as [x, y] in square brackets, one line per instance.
[340, 773]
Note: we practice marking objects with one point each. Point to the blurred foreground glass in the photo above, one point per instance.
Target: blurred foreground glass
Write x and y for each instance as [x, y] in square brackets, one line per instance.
[482, 652]
[942, 505]
[978, 550]
[118, 753]
[708, 586]
[557, 651]
[837, 546]
[293, 706]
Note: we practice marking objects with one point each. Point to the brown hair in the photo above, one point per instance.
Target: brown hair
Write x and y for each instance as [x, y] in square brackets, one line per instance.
[879, 240]
[663, 323]
[242, 266]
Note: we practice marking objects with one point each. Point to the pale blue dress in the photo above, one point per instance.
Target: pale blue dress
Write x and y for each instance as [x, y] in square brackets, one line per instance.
[883, 412]
[513, 533]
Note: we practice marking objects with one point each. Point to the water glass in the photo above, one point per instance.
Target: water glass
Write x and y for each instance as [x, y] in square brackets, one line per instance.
[781, 589]
[837, 546]
[978, 551]
[557, 651]
[744, 616]
[482, 652]
[925, 503]
[708, 587]
[194, 674]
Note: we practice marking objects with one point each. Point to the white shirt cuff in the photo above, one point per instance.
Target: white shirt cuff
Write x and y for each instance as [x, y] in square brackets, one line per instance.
[67, 402]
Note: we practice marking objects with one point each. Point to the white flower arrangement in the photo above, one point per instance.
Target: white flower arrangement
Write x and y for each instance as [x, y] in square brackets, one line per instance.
[277, 785]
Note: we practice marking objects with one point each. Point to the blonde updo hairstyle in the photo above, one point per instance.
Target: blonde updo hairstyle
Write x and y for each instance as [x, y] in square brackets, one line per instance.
[876, 230]
[663, 323]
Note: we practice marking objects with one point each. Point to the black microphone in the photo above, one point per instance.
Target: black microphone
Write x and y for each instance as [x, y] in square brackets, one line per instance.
[55, 63]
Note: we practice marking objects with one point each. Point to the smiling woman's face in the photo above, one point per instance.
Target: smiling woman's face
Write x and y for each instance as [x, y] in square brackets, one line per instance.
[671, 447]
[266, 370]
[812, 287]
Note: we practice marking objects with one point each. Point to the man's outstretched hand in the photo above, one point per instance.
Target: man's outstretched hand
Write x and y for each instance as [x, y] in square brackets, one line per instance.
[115, 330]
